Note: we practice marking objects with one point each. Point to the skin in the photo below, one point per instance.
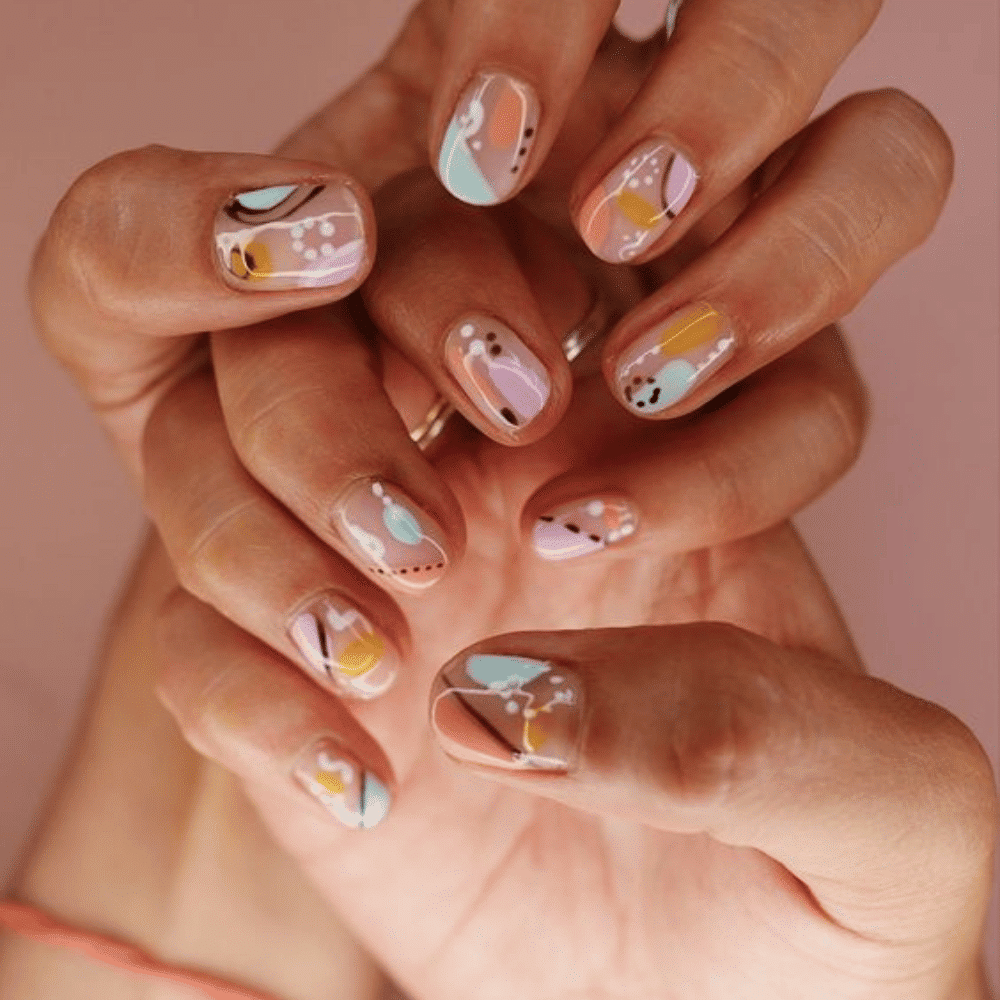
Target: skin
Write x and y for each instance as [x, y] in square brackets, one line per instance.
[717, 548]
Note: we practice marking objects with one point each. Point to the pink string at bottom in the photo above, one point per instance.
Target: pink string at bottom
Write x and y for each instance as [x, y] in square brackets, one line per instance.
[38, 926]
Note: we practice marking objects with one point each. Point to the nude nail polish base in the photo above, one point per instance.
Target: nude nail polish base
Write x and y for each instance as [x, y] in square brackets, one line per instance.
[580, 528]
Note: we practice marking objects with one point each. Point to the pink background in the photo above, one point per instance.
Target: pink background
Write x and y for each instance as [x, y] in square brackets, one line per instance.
[908, 540]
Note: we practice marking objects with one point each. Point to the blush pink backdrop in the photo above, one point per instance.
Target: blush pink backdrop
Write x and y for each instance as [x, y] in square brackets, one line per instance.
[908, 540]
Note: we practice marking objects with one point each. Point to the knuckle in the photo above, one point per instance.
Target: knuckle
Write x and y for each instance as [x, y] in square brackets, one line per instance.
[96, 235]
[210, 562]
[716, 742]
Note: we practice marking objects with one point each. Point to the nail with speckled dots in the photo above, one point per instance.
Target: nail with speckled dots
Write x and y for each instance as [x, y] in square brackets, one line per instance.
[501, 376]
[291, 236]
[342, 785]
[392, 538]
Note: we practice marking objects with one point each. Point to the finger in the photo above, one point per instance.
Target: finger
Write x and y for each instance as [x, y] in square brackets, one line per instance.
[307, 416]
[864, 187]
[854, 786]
[449, 292]
[724, 473]
[159, 243]
[235, 547]
[734, 83]
[508, 74]
[239, 703]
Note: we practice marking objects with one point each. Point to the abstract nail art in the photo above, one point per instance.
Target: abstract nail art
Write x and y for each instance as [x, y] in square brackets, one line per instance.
[396, 540]
[488, 139]
[503, 379]
[508, 711]
[636, 201]
[577, 529]
[341, 645]
[342, 785]
[291, 236]
[663, 366]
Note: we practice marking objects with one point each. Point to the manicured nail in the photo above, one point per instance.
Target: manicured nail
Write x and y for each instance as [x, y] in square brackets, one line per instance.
[502, 378]
[509, 712]
[396, 540]
[488, 139]
[663, 366]
[342, 785]
[341, 645]
[636, 202]
[291, 236]
[577, 529]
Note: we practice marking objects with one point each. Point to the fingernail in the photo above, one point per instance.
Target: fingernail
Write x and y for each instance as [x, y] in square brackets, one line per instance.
[342, 646]
[577, 529]
[396, 541]
[499, 374]
[291, 236]
[342, 785]
[636, 201]
[488, 139]
[509, 712]
[664, 365]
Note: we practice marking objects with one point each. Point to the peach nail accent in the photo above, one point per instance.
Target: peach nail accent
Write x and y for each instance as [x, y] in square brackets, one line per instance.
[636, 202]
[291, 236]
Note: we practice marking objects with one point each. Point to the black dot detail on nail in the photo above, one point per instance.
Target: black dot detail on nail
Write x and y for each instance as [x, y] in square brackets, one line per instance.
[637, 380]
[251, 261]
[651, 380]
[496, 350]
[522, 151]
[655, 396]
[528, 133]
[429, 567]
[491, 336]
[545, 517]
[508, 414]
[574, 528]
[595, 538]
[640, 404]
[513, 170]
[402, 571]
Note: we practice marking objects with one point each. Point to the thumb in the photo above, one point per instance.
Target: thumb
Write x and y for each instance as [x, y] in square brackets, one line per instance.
[858, 788]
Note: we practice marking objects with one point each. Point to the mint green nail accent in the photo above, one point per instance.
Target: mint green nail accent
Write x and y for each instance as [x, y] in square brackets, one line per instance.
[504, 671]
[265, 198]
[459, 172]
[374, 801]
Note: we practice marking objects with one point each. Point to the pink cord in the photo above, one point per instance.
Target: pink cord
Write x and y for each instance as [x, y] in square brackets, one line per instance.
[38, 926]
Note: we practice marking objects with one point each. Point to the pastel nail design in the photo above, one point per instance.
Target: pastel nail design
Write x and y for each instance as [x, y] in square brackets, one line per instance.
[504, 380]
[392, 535]
[508, 711]
[577, 529]
[291, 236]
[488, 139]
[341, 645]
[342, 785]
[636, 202]
[663, 366]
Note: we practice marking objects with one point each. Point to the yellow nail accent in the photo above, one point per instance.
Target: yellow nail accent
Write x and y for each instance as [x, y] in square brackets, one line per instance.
[690, 331]
[637, 210]
[361, 655]
[333, 783]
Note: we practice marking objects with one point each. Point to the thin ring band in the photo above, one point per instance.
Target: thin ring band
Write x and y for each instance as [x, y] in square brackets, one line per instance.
[670, 20]
[591, 328]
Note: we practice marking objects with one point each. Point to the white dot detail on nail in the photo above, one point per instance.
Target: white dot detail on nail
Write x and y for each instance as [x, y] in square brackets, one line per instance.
[297, 232]
[467, 330]
[595, 508]
[512, 707]
[326, 249]
[326, 228]
[310, 254]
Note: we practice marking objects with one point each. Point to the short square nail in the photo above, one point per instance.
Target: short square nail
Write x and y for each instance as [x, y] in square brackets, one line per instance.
[343, 647]
[341, 784]
[488, 139]
[584, 526]
[394, 539]
[636, 202]
[664, 365]
[510, 712]
[500, 375]
[291, 236]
